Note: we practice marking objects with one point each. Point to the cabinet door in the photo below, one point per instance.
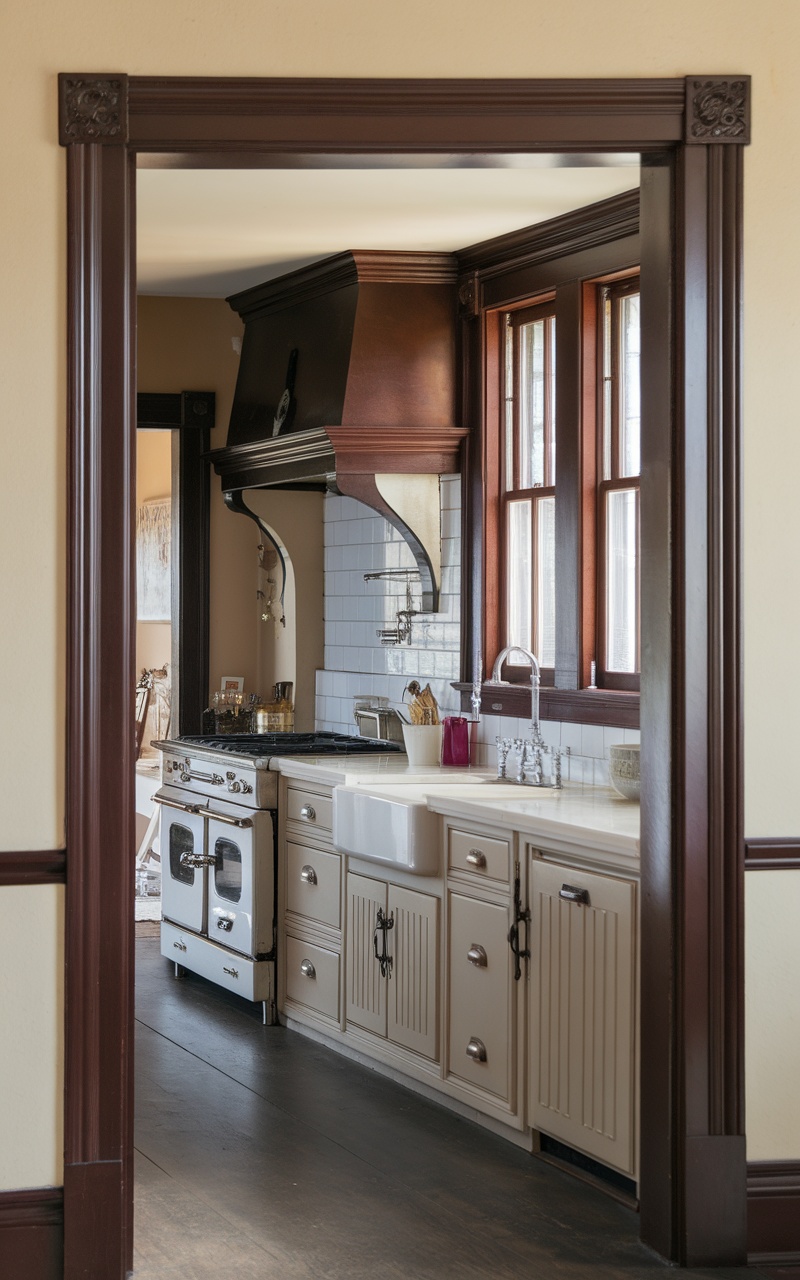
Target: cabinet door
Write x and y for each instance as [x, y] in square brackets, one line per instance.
[582, 1044]
[481, 987]
[366, 989]
[413, 943]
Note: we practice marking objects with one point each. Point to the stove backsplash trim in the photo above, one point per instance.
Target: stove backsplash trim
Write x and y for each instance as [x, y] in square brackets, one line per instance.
[357, 541]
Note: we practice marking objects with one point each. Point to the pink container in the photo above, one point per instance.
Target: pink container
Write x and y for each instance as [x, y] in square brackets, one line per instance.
[455, 740]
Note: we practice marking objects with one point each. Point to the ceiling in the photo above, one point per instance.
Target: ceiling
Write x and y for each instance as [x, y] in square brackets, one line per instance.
[209, 233]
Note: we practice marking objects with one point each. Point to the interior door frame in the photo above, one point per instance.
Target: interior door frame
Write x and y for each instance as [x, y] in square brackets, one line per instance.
[691, 133]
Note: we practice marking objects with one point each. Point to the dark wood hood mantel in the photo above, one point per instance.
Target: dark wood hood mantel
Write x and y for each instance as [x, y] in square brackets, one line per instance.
[348, 372]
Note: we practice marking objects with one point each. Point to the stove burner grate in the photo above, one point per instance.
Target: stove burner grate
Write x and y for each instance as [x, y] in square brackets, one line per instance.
[289, 744]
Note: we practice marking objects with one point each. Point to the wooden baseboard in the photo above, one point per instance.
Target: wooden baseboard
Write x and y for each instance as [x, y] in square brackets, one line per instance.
[32, 1234]
[773, 1215]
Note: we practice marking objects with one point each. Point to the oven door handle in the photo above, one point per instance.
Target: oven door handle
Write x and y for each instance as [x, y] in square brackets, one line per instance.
[225, 817]
[177, 804]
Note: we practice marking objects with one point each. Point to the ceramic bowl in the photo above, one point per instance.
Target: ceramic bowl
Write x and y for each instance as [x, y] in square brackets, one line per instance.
[623, 769]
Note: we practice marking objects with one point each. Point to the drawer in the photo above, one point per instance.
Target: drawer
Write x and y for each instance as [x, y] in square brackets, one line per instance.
[482, 856]
[313, 883]
[249, 978]
[481, 992]
[310, 809]
[312, 977]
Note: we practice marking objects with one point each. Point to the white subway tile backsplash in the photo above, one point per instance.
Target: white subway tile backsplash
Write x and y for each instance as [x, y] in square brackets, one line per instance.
[592, 741]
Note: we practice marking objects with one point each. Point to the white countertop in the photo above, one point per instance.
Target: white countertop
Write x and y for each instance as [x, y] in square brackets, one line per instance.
[577, 818]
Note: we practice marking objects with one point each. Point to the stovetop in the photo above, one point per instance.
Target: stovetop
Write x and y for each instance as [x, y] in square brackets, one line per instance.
[286, 744]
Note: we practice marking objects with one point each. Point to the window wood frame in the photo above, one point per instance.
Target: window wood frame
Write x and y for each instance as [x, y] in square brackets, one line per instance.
[519, 283]
[617, 288]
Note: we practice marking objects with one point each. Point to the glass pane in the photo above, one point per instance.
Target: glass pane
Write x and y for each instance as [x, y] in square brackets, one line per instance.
[531, 404]
[509, 406]
[550, 478]
[622, 543]
[545, 647]
[629, 400]
[606, 388]
[227, 870]
[181, 841]
[518, 582]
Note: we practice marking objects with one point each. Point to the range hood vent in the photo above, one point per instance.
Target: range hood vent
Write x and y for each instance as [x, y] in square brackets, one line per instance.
[348, 375]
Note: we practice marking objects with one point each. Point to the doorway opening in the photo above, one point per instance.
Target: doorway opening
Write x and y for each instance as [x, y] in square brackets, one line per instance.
[692, 1126]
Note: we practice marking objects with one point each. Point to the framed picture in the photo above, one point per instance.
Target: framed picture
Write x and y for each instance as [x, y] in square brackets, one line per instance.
[232, 684]
[153, 537]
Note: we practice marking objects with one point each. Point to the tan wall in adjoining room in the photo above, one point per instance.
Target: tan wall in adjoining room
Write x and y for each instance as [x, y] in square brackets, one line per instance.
[185, 344]
[153, 480]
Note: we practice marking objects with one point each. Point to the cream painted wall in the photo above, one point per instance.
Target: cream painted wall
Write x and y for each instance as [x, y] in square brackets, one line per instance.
[509, 38]
[296, 652]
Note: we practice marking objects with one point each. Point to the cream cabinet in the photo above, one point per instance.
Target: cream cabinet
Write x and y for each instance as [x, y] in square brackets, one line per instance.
[484, 1000]
[581, 1030]
[391, 949]
[310, 904]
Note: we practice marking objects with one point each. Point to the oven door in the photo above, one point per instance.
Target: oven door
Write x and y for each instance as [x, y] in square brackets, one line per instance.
[232, 854]
[183, 858]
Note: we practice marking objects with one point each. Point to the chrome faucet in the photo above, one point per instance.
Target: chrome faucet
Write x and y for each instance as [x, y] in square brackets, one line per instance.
[529, 751]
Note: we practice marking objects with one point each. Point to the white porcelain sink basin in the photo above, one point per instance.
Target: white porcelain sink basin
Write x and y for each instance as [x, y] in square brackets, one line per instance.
[393, 825]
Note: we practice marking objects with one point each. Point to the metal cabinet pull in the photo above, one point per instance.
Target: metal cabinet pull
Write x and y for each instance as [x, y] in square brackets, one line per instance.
[308, 875]
[477, 956]
[572, 894]
[234, 973]
[309, 813]
[476, 1050]
[179, 946]
[476, 859]
[307, 969]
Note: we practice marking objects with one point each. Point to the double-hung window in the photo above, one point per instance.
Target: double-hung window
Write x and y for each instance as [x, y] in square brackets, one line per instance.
[528, 490]
[618, 559]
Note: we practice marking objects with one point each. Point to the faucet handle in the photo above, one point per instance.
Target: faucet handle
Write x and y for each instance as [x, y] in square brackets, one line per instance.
[503, 747]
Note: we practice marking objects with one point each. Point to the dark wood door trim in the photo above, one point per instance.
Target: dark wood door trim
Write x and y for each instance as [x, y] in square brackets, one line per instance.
[100, 679]
[42, 866]
[190, 414]
[693, 1164]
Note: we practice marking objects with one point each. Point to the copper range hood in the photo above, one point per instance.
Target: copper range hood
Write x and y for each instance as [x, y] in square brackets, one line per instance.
[347, 382]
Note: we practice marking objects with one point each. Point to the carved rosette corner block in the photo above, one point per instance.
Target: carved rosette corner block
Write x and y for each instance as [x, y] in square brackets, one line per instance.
[468, 296]
[93, 109]
[717, 109]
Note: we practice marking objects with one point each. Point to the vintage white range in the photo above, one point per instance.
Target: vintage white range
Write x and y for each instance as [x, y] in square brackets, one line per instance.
[218, 837]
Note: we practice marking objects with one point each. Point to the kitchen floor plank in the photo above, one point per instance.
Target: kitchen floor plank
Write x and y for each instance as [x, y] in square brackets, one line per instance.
[262, 1153]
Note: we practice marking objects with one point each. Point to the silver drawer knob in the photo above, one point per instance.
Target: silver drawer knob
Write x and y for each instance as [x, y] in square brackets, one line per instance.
[179, 946]
[476, 859]
[476, 1050]
[477, 956]
[307, 969]
[309, 813]
[308, 875]
[225, 924]
[570, 893]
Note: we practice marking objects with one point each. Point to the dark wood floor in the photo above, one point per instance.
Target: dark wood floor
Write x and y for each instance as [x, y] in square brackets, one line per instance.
[261, 1154]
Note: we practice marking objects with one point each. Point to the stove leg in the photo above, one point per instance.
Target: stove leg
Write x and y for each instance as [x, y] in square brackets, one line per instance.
[269, 1013]
[180, 972]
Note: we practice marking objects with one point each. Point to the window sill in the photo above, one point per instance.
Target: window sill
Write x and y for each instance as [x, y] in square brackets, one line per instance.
[575, 706]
